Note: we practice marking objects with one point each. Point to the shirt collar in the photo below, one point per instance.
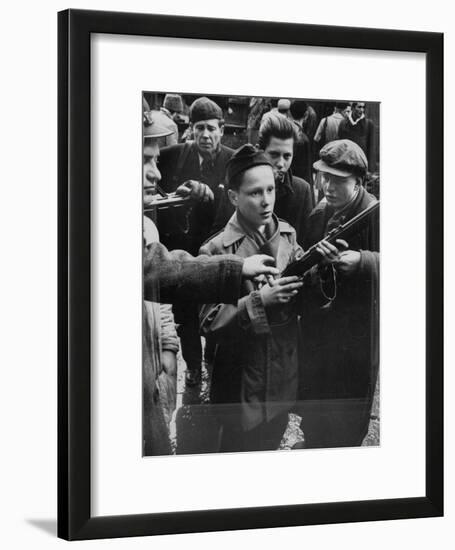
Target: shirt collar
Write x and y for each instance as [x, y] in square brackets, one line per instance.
[233, 231]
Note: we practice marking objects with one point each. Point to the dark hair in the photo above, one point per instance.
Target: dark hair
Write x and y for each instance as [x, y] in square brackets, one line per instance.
[342, 105]
[235, 182]
[275, 125]
[298, 108]
[219, 120]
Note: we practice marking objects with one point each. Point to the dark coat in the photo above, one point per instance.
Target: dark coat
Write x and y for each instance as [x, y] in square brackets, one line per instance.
[340, 343]
[188, 229]
[303, 155]
[255, 365]
[171, 277]
[293, 204]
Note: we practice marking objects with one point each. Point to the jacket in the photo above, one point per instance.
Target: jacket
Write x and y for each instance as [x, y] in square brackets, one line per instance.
[188, 228]
[175, 276]
[255, 364]
[340, 343]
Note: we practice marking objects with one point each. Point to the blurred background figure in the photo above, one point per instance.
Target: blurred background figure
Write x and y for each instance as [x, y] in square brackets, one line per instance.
[197, 169]
[340, 321]
[301, 163]
[361, 130]
[329, 125]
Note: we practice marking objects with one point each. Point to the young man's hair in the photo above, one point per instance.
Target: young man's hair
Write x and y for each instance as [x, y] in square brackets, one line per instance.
[342, 105]
[277, 126]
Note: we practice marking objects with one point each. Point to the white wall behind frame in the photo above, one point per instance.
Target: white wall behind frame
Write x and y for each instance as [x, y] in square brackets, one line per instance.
[28, 223]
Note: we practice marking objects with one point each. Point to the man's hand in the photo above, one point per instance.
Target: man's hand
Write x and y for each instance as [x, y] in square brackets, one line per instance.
[196, 190]
[259, 264]
[349, 262]
[329, 252]
[346, 261]
[280, 291]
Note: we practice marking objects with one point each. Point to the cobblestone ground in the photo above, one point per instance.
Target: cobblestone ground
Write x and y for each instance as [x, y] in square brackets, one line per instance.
[194, 429]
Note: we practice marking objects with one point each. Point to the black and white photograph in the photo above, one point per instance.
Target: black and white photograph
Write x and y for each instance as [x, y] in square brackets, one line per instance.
[261, 273]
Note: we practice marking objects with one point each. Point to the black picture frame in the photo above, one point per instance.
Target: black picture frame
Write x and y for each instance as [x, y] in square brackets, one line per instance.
[75, 521]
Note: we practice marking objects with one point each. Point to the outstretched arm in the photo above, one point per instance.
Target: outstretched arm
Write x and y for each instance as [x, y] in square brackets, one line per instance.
[176, 275]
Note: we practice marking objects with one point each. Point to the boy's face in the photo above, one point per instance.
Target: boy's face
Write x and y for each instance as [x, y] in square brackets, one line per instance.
[255, 197]
[338, 190]
[280, 153]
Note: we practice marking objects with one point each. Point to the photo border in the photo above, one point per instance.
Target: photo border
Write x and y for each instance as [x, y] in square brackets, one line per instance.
[75, 521]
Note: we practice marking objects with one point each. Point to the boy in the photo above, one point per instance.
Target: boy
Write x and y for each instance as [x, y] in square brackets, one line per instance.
[254, 378]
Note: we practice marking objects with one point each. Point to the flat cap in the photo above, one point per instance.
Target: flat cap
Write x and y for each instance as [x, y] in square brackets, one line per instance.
[243, 159]
[204, 108]
[154, 125]
[173, 102]
[342, 157]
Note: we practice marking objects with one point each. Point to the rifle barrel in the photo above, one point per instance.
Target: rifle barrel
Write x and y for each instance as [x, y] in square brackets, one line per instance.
[311, 257]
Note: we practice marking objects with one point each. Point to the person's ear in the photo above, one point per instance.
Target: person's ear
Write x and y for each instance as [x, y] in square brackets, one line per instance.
[233, 197]
[222, 129]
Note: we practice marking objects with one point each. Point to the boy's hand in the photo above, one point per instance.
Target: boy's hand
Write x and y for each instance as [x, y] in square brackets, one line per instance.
[280, 291]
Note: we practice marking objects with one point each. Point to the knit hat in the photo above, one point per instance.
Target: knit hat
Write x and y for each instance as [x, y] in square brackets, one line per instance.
[204, 108]
[173, 103]
[243, 159]
[342, 157]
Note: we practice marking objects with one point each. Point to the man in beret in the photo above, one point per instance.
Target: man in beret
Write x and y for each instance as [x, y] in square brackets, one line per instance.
[171, 108]
[196, 169]
[169, 277]
[254, 381]
[340, 322]
[293, 201]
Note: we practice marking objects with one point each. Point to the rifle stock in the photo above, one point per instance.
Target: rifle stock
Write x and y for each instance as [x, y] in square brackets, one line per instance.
[344, 231]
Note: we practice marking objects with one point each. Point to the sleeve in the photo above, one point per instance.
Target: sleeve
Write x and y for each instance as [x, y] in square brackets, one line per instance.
[169, 339]
[369, 265]
[176, 275]
[223, 319]
[318, 134]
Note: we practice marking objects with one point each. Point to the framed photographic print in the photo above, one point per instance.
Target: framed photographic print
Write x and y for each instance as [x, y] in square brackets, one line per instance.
[227, 333]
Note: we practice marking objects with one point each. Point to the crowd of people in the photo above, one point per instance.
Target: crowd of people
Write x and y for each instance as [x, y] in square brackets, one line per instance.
[306, 344]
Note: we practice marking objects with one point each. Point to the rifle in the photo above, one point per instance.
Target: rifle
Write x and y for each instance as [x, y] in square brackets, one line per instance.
[344, 231]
